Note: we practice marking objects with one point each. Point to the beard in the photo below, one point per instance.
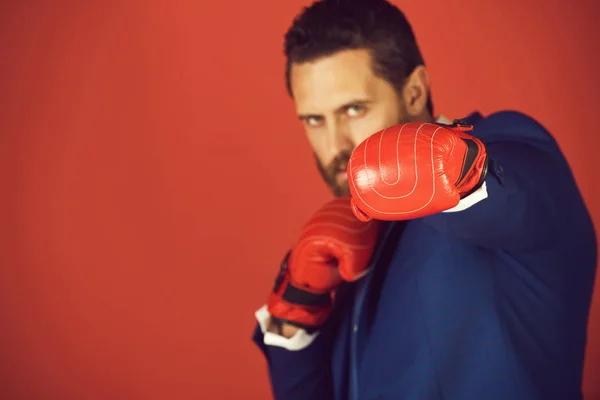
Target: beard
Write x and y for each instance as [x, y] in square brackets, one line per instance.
[330, 173]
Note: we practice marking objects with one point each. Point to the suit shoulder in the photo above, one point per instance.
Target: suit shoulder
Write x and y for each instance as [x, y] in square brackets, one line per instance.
[514, 119]
[510, 125]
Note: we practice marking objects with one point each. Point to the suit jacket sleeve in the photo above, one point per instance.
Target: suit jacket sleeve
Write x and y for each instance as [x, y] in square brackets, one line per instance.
[300, 367]
[529, 188]
[299, 374]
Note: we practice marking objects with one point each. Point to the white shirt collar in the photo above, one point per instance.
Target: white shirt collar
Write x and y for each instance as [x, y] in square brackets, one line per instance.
[442, 119]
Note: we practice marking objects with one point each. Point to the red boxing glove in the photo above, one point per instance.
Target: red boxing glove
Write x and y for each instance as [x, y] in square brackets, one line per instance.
[333, 246]
[415, 169]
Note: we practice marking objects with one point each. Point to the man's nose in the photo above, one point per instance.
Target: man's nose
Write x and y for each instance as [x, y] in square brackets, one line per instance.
[339, 138]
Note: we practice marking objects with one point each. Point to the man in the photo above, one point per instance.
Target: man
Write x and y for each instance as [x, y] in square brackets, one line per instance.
[473, 276]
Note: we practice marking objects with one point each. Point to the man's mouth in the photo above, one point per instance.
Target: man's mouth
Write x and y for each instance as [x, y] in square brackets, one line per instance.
[341, 175]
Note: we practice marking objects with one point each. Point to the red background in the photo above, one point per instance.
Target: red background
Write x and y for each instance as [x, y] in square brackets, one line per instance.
[153, 174]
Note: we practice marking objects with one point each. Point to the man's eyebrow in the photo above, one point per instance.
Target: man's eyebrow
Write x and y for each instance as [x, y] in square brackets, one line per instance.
[356, 102]
[304, 117]
[341, 108]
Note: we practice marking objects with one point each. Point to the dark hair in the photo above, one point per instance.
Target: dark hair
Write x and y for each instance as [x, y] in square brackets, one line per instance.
[329, 26]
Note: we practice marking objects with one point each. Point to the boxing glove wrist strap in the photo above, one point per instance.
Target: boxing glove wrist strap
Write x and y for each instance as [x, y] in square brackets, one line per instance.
[474, 169]
[301, 297]
[295, 306]
[295, 295]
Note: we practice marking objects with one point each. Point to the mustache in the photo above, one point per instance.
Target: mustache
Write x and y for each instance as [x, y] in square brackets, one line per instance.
[339, 163]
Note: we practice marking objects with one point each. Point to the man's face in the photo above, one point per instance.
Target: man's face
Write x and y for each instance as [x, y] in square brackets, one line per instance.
[341, 103]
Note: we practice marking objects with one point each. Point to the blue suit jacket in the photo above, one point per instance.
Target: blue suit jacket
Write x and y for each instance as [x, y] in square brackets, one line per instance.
[488, 303]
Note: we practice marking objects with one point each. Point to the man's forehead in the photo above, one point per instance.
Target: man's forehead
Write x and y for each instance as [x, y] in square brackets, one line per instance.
[330, 82]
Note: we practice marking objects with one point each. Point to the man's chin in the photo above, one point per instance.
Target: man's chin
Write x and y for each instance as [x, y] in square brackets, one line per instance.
[340, 190]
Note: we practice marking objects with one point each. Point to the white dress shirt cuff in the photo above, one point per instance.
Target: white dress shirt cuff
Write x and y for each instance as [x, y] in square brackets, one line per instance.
[299, 341]
[472, 199]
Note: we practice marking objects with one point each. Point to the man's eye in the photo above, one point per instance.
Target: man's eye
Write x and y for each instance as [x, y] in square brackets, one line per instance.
[313, 121]
[355, 111]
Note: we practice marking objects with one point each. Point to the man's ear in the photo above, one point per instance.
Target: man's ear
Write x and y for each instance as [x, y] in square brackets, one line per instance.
[416, 93]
